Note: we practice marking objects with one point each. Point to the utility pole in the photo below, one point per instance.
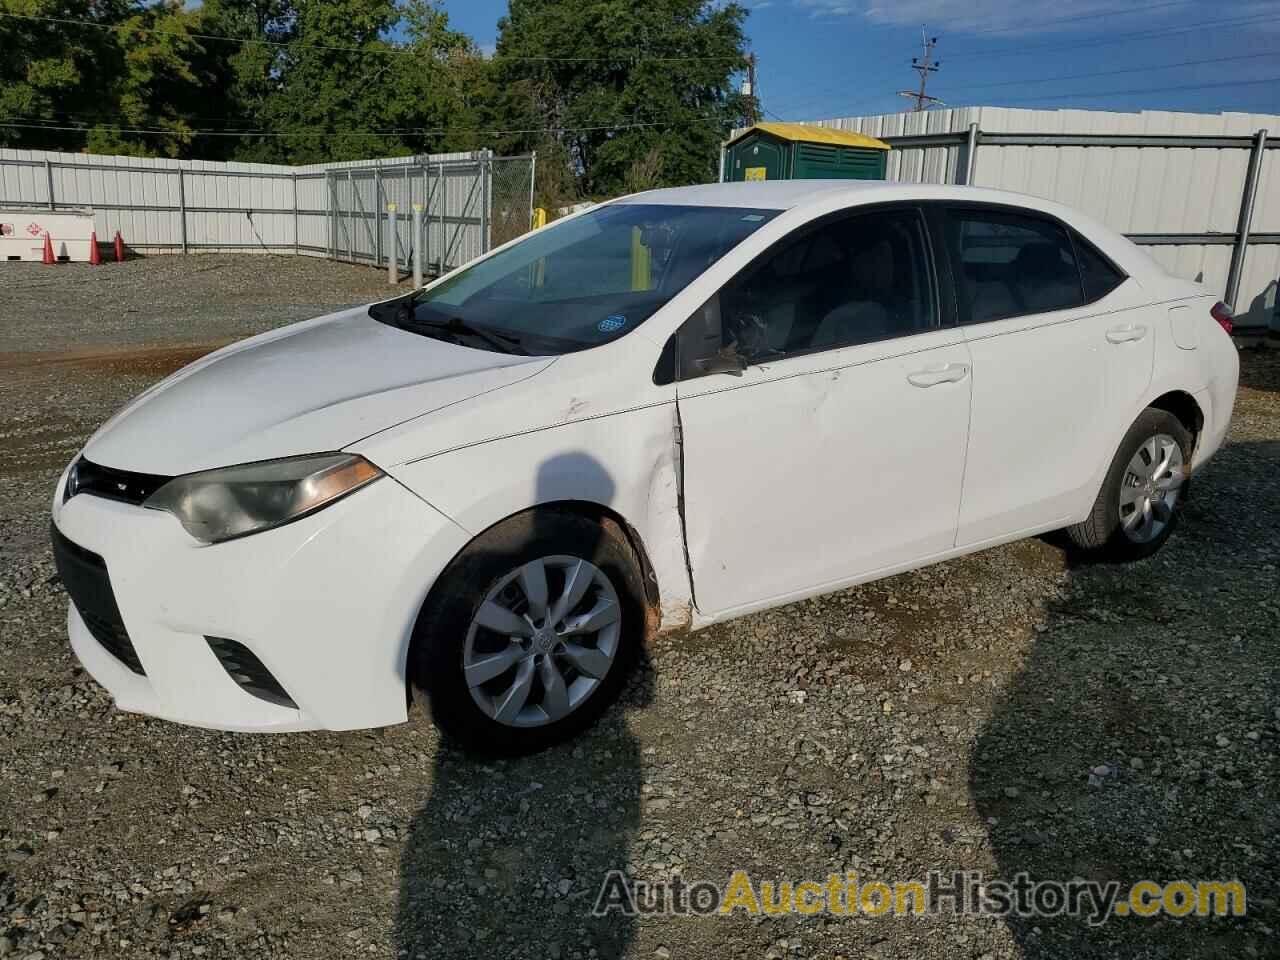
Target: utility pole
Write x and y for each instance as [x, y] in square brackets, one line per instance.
[749, 91]
[923, 66]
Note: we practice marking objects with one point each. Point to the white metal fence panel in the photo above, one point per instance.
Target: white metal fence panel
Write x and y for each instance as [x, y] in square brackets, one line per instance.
[1172, 199]
[338, 210]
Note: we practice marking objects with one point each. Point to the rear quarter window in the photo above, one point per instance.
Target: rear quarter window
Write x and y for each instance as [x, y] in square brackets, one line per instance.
[1098, 274]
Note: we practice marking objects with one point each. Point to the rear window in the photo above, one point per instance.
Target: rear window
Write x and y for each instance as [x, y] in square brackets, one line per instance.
[1010, 265]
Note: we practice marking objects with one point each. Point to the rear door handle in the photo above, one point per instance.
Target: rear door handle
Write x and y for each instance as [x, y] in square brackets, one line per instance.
[1126, 333]
[941, 373]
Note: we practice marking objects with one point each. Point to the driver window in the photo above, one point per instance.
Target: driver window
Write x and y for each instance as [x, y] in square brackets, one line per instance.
[853, 280]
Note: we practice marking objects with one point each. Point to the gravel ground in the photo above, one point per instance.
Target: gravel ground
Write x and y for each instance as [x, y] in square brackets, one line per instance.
[1013, 711]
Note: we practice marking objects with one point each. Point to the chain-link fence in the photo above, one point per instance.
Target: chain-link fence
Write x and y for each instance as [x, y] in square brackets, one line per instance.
[511, 195]
[454, 210]
[469, 203]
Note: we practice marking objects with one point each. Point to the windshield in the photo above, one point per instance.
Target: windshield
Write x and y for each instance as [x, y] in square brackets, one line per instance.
[577, 284]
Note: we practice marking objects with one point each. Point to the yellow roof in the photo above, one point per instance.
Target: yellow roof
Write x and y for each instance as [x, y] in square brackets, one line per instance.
[808, 134]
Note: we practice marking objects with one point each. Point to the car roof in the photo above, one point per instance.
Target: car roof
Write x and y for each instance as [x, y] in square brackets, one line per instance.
[790, 194]
[798, 194]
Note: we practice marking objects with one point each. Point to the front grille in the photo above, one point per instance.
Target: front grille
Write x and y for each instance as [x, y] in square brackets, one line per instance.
[126, 486]
[84, 574]
[249, 672]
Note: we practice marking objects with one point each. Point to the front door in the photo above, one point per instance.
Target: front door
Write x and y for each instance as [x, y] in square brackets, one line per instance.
[839, 451]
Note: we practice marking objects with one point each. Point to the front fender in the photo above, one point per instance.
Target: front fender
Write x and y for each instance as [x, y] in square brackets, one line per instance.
[626, 462]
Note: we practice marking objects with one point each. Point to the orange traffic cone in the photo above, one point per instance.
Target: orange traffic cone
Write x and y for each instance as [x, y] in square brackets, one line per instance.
[48, 249]
[119, 241]
[94, 257]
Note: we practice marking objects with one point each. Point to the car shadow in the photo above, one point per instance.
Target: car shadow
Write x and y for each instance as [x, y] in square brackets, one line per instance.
[1138, 741]
[507, 856]
[1260, 369]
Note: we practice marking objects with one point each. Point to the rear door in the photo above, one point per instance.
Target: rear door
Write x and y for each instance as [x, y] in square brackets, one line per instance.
[1039, 398]
[838, 451]
[1124, 327]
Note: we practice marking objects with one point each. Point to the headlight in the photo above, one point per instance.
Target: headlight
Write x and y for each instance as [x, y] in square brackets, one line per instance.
[231, 502]
[73, 480]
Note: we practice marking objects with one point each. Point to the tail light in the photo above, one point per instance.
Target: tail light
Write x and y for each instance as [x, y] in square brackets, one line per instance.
[1224, 315]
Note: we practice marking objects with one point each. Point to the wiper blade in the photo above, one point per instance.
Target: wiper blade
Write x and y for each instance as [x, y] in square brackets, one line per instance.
[502, 342]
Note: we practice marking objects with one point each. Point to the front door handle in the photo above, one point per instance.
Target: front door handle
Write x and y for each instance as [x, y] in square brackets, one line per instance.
[939, 373]
[1126, 333]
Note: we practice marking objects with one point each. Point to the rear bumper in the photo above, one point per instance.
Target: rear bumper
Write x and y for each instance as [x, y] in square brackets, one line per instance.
[327, 604]
[1217, 400]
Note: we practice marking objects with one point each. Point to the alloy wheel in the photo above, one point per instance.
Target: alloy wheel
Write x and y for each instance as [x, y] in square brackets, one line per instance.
[542, 640]
[1150, 488]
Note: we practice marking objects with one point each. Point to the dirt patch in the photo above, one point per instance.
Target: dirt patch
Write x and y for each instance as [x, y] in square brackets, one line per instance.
[947, 719]
[156, 361]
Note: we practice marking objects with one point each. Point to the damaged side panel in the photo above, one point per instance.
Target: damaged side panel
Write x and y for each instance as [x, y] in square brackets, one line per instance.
[626, 462]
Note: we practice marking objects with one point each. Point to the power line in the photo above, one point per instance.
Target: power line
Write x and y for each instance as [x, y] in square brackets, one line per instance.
[1151, 68]
[23, 123]
[394, 51]
[1111, 73]
[1101, 94]
[1135, 37]
[1092, 15]
[1117, 38]
[1121, 93]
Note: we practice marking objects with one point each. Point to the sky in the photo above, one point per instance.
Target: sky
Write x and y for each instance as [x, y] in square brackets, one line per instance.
[820, 59]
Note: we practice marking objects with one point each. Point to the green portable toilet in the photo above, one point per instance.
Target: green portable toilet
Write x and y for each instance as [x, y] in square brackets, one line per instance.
[795, 151]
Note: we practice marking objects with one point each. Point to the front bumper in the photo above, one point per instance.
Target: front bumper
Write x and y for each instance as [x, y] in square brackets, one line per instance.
[327, 604]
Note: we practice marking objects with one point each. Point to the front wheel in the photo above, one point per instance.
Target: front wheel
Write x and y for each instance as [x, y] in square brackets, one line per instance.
[530, 633]
[1137, 507]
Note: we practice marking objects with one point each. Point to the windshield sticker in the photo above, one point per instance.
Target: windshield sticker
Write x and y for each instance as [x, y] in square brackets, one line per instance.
[612, 323]
[752, 218]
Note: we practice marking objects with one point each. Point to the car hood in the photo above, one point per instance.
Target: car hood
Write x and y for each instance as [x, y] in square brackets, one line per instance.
[310, 387]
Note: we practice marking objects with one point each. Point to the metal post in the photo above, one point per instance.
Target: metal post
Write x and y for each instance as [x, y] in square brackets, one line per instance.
[486, 194]
[329, 215]
[182, 206]
[351, 186]
[417, 245]
[424, 238]
[48, 179]
[971, 154]
[533, 173]
[1246, 218]
[444, 214]
[721, 177]
[393, 274]
[294, 177]
[378, 199]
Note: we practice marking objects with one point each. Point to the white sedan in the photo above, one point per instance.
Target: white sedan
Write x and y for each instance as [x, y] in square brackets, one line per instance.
[666, 411]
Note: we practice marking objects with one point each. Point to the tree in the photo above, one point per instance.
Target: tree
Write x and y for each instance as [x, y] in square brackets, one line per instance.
[241, 76]
[344, 91]
[52, 70]
[634, 92]
[612, 95]
[156, 90]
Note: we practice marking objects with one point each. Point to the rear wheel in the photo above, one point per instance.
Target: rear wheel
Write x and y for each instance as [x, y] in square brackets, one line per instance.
[1137, 507]
[530, 633]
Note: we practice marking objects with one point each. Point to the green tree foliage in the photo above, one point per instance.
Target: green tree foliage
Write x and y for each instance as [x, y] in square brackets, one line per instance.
[639, 94]
[52, 72]
[613, 94]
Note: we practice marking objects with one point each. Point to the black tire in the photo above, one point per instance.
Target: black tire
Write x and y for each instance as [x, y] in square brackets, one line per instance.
[435, 666]
[1100, 534]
